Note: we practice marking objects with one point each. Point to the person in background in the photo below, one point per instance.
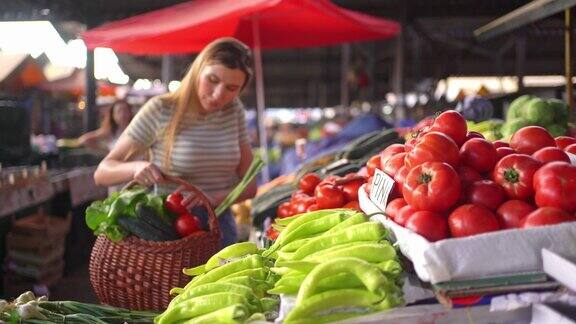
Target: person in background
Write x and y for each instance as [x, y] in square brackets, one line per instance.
[115, 122]
[197, 132]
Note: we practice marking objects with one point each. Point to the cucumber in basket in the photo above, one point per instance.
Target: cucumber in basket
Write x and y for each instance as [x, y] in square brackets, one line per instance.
[147, 225]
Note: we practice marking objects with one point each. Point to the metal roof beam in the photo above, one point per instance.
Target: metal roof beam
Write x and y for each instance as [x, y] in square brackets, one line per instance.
[531, 12]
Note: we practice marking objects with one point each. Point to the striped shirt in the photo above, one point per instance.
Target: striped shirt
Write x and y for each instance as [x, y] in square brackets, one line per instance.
[206, 152]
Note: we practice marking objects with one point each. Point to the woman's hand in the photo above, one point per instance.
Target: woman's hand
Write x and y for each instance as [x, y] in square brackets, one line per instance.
[192, 200]
[147, 173]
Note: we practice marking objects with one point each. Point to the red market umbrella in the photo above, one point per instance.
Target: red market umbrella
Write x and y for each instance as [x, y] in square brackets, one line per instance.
[267, 24]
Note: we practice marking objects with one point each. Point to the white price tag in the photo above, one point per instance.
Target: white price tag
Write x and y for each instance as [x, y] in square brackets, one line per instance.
[572, 158]
[382, 185]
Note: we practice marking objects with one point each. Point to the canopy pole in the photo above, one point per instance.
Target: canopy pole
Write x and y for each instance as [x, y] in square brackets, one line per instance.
[568, 61]
[166, 71]
[260, 105]
[345, 66]
[90, 112]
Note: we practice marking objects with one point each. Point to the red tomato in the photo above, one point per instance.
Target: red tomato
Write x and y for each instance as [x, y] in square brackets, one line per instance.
[350, 189]
[570, 149]
[546, 216]
[500, 143]
[309, 182]
[433, 147]
[551, 154]
[401, 175]
[186, 224]
[486, 193]
[530, 139]
[451, 123]
[470, 219]
[555, 185]
[514, 172]
[272, 234]
[467, 175]
[284, 210]
[503, 151]
[301, 205]
[511, 213]
[372, 164]
[394, 206]
[174, 203]
[298, 194]
[432, 186]
[404, 214]
[431, 225]
[394, 164]
[472, 135]
[353, 205]
[390, 151]
[478, 154]
[329, 196]
[312, 207]
[563, 141]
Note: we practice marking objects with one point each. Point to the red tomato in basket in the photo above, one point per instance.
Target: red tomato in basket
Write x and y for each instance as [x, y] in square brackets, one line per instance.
[433, 147]
[404, 214]
[570, 149]
[452, 124]
[400, 176]
[187, 224]
[350, 189]
[555, 185]
[432, 186]
[546, 216]
[486, 193]
[174, 203]
[373, 163]
[272, 234]
[514, 173]
[431, 225]
[468, 220]
[389, 152]
[309, 182]
[500, 143]
[530, 139]
[284, 210]
[550, 154]
[394, 206]
[563, 141]
[511, 213]
[474, 134]
[329, 196]
[503, 151]
[478, 154]
[393, 164]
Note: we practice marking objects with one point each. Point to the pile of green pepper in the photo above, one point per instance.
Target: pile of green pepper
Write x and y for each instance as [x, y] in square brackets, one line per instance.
[337, 263]
[230, 288]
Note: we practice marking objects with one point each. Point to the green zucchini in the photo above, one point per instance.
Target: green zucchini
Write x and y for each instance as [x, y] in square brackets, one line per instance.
[142, 230]
[148, 215]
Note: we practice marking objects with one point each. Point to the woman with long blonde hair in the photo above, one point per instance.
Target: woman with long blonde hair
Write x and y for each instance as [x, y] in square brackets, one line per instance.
[197, 132]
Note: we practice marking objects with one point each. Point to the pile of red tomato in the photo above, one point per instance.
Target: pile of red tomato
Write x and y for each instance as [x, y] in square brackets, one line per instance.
[315, 193]
[453, 183]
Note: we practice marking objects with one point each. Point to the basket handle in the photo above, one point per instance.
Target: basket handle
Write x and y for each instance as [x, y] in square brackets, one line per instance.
[212, 219]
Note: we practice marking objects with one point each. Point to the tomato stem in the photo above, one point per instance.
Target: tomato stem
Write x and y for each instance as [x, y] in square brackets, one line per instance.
[511, 175]
[425, 178]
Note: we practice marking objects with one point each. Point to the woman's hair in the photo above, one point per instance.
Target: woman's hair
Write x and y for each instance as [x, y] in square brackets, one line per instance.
[227, 51]
[109, 123]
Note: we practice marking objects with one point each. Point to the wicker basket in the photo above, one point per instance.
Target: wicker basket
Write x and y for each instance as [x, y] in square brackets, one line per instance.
[138, 274]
